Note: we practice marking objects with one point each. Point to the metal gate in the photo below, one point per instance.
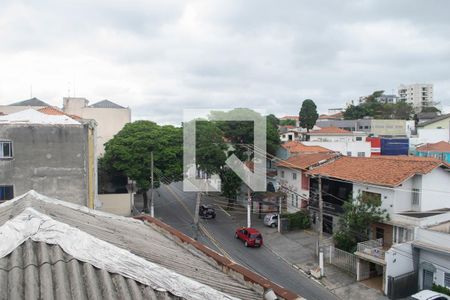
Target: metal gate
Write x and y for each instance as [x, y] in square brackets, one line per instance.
[402, 286]
[427, 279]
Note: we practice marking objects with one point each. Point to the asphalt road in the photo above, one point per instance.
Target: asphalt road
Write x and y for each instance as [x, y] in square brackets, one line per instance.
[177, 208]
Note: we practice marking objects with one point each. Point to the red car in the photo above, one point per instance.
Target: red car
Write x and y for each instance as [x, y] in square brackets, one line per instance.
[250, 236]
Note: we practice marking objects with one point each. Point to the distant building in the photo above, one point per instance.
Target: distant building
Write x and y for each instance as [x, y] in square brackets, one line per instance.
[109, 116]
[34, 103]
[52, 154]
[340, 140]
[373, 127]
[420, 95]
[439, 150]
[387, 99]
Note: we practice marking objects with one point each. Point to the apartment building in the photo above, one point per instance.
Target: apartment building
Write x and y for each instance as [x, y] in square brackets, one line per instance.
[420, 95]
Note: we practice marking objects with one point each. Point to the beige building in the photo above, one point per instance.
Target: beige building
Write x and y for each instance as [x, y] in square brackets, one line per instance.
[441, 122]
[110, 117]
[420, 95]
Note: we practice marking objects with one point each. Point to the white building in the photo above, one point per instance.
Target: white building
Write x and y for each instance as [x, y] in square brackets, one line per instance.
[420, 95]
[292, 179]
[413, 191]
[346, 142]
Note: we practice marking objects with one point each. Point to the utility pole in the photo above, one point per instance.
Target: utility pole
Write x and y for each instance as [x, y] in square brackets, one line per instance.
[321, 227]
[279, 214]
[196, 217]
[320, 210]
[249, 203]
[152, 207]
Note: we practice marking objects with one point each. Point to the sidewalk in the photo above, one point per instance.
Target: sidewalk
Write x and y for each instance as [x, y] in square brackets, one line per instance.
[297, 249]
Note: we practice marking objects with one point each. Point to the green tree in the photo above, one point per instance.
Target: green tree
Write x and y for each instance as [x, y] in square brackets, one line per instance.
[355, 222]
[308, 114]
[287, 122]
[231, 184]
[129, 152]
[403, 110]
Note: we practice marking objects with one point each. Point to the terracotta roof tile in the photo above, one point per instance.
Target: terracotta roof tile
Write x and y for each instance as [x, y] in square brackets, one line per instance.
[297, 147]
[382, 170]
[336, 116]
[289, 118]
[49, 110]
[330, 130]
[305, 161]
[436, 147]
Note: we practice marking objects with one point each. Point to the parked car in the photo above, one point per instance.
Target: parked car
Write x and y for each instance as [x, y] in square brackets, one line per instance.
[207, 212]
[250, 236]
[271, 220]
[429, 295]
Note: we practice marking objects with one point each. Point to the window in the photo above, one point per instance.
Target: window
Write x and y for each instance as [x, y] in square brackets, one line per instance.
[415, 197]
[359, 138]
[447, 279]
[282, 174]
[349, 153]
[294, 176]
[361, 154]
[6, 192]
[292, 199]
[296, 200]
[6, 149]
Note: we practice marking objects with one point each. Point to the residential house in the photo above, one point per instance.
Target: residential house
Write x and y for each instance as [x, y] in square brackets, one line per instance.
[432, 131]
[406, 187]
[289, 133]
[291, 148]
[292, 179]
[53, 154]
[331, 117]
[439, 150]
[59, 250]
[109, 116]
[340, 140]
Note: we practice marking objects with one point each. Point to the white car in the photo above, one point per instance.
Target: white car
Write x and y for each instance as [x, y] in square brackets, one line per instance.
[271, 220]
[429, 295]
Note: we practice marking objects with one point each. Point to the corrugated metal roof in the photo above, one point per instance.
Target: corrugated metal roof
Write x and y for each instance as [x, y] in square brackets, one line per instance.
[106, 104]
[30, 102]
[37, 270]
[138, 238]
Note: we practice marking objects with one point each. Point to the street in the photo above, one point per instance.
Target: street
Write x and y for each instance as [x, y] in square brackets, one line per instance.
[176, 208]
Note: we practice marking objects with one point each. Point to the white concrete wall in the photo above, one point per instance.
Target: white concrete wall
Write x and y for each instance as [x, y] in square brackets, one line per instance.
[425, 136]
[294, 185]
[398, 261]
[118, 204]
[435, 190]
[344, 147]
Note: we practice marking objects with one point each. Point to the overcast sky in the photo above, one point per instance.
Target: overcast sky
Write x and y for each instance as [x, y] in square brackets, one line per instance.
[159, 57]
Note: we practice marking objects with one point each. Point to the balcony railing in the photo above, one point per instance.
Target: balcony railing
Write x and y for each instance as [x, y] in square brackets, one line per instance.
[327, 207]
[372, 247]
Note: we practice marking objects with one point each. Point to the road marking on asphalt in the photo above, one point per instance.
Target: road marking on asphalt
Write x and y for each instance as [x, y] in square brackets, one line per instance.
[228, 214]
[202, 228]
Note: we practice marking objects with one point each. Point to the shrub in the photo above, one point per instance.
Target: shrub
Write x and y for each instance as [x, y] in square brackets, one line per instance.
[441, 289]
[298, 220]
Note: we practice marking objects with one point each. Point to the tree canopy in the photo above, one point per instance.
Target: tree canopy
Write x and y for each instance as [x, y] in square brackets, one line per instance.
[371, 107]
[308, 114]
[358, 214]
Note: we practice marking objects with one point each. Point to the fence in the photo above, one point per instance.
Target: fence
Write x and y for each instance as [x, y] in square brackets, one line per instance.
[342, 259]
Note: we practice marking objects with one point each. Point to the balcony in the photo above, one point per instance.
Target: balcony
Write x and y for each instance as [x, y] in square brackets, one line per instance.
[371, 250]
